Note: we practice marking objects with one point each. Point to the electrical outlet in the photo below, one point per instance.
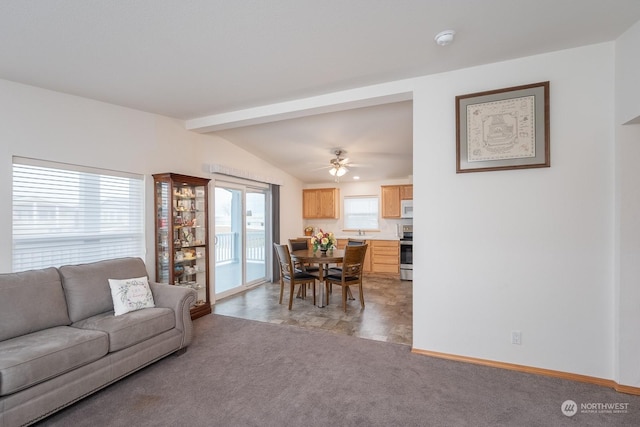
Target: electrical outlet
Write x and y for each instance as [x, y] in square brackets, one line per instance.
[516, 337]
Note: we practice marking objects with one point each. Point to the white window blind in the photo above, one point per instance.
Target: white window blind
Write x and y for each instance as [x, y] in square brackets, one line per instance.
[64, 214]
[361, 213]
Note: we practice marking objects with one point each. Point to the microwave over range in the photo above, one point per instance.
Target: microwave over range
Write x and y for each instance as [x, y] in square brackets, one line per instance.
[406, 208]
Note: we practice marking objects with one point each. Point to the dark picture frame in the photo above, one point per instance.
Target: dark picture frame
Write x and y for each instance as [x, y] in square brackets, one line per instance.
[503, 129]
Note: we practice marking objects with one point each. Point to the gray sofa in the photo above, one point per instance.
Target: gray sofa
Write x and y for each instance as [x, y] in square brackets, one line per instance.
[60, 340]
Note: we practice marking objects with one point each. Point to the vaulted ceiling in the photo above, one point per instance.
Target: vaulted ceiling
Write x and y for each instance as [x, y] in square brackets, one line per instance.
[189, 59]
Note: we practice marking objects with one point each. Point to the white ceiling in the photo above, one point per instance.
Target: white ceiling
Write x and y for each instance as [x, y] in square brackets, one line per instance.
[378, 141]
[189, 59]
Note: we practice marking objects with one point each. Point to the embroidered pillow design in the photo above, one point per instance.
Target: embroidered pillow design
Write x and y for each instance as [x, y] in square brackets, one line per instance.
[130, 295]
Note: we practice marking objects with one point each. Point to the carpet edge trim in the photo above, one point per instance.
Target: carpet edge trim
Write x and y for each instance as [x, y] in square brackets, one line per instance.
[532, 370]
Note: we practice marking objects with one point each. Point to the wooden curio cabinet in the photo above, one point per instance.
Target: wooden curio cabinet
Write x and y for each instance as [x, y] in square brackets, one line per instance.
[182, 249]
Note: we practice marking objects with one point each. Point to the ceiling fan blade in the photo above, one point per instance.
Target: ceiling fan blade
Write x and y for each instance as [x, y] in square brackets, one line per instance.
[358, 165]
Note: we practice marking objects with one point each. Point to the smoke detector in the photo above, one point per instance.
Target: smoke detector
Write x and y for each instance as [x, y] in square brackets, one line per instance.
[445, 37]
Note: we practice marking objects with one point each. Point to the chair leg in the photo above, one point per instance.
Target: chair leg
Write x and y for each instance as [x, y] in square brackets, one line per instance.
[349, 293]
[361, 296]
[344, 298]
[291, 288]
[281, 290]
[313, 286]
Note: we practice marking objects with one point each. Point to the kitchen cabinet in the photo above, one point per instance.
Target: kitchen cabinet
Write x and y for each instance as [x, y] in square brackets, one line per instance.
[391, 196]
[321, 203]
[406, 192]
[342, 243]
[385, 256]
[182, 257]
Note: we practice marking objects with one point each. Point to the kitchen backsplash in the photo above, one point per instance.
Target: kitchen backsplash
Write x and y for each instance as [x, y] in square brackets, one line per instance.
[388, 227]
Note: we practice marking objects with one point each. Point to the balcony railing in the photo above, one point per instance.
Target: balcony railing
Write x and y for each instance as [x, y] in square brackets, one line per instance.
[227, 244]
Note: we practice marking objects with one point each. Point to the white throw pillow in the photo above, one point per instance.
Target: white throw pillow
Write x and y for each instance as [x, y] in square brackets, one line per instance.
[130, 295]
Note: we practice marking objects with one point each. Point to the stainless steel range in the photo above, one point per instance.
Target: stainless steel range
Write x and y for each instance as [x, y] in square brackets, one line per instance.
[406, 253]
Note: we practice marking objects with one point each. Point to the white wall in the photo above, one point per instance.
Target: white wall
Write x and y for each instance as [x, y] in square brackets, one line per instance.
[527, 250]
[627, 72]
[52, 126]
[627, 303]
[627, 307]
[219, 151]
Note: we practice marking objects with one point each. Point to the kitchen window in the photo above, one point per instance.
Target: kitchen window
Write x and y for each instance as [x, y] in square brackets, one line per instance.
[66, 214]
[361, 212]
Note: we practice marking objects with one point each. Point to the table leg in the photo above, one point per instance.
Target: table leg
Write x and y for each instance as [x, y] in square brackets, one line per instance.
[321, 286]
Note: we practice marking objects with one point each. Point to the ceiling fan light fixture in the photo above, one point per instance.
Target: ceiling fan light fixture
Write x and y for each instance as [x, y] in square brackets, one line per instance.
[338, 171]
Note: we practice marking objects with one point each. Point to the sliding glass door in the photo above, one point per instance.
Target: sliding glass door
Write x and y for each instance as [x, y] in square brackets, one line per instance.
[241, 230]
[256, 236]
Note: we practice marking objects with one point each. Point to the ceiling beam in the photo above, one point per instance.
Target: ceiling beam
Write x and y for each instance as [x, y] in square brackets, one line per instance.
[328, 103]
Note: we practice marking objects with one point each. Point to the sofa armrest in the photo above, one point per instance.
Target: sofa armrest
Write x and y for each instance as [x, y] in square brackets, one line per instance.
[180, 300]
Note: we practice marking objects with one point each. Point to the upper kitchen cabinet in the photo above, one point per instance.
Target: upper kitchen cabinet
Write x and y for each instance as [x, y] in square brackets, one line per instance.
[320, 203]
[392, 195]
[406, 192]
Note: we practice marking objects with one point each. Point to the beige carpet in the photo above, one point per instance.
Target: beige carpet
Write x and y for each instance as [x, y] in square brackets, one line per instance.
[241, 372]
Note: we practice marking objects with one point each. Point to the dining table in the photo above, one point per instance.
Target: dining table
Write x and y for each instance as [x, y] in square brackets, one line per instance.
[323, 259]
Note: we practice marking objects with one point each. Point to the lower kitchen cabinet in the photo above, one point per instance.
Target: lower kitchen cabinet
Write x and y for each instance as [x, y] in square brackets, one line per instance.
[385, 256]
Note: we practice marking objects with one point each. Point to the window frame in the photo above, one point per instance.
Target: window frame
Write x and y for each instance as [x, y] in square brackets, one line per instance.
[371, 222]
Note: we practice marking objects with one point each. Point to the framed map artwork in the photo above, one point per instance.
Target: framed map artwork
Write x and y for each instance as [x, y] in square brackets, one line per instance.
[503, 129]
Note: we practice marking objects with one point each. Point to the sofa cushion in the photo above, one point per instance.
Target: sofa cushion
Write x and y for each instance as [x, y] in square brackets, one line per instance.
[31, 301]
[131, 328]
[86, 286]
[30, 359]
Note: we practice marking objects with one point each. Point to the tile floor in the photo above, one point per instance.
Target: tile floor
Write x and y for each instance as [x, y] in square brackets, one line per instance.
[387, 315]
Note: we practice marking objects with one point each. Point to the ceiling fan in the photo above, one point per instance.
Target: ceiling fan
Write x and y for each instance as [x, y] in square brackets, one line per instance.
[338, 165]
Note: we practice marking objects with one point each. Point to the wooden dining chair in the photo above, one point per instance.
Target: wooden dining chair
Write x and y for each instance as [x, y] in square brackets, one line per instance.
[351, 274]
[290, 275]
[350, 242]
[338, 268]
[302, 244]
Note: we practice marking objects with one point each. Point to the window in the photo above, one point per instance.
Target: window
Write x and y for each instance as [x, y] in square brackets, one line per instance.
[361, 213]
[64, 214]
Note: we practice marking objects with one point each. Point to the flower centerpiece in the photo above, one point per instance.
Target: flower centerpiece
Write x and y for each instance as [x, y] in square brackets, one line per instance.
[323, 240]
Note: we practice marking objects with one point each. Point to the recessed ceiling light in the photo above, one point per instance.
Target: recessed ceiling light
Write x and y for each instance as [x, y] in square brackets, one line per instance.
[356, 177]
[445, 37]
